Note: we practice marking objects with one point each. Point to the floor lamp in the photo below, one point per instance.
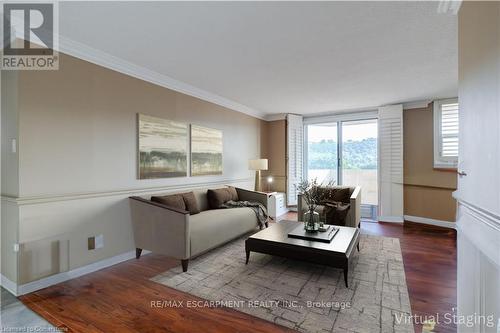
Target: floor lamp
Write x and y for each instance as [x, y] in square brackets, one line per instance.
[257, 165]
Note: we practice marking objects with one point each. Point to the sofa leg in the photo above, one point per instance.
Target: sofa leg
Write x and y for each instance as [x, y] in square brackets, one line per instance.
[267, 224]
[138, 252]
[185, 263]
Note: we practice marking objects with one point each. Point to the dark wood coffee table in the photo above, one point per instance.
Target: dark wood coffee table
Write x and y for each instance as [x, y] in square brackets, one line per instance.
[274, 240]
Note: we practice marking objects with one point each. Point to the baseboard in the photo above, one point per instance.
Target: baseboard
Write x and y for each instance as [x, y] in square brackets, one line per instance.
[425, 220]
[390, 219]
[74, 273]
[8, 285]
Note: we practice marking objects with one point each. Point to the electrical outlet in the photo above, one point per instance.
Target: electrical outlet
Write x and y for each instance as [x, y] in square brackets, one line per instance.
[16, 247]
[91, 243]
[99, 241]
[96, 242]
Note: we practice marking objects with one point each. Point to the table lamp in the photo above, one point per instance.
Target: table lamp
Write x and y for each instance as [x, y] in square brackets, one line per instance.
[257, 165]
[269, 183]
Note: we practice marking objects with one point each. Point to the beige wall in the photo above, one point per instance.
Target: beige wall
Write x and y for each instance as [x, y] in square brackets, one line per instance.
[427, 192]
[77, 159]
[78, 125]
[274, 149]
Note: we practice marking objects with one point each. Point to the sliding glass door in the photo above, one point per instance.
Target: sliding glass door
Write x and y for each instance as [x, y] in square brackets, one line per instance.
[359, 158]
[345, 152]
[322, 153]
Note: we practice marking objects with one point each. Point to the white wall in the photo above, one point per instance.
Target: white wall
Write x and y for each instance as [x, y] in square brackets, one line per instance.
[478, 193]
[10, 174]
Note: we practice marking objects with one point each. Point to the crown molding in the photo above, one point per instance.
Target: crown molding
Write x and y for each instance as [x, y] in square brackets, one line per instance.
[275, 116]
[87, 53]
[449, 6]
[416, 104]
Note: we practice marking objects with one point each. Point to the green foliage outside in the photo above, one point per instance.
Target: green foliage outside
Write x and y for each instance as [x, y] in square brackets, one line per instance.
[356, 154]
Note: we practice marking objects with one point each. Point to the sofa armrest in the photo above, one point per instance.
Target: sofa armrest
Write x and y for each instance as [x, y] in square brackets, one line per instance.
[355, 202]
[248, 195]
[160, 228]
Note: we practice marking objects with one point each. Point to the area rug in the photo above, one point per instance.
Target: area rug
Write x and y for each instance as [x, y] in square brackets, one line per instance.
[305, 297]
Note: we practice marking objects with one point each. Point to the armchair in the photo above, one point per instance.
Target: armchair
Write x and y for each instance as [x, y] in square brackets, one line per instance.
[353, 216]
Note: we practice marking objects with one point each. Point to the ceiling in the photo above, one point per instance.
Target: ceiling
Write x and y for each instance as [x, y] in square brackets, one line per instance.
[281, 57]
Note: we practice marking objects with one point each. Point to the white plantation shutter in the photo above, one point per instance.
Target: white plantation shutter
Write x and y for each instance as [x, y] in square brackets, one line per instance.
[390, 126]
[294, 155]
[446, 133]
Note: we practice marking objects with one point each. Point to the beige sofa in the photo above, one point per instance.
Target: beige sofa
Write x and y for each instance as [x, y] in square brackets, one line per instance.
[173, 232]
[353, 216]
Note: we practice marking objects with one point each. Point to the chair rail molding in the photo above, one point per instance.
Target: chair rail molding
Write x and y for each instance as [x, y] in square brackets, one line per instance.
[482, 228]
[45, 198]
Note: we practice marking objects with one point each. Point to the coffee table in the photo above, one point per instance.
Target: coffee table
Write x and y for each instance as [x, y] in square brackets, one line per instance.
[274, 240]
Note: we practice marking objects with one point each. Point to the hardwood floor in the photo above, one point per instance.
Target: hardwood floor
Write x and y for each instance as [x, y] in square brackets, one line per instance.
[430, 260]
[119, 298]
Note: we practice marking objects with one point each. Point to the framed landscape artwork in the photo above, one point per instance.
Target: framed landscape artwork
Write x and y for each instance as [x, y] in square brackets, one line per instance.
[206, 151]
[162, 147]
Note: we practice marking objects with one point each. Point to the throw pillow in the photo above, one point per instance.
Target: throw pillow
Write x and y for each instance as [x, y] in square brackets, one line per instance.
[233, 193]
[336, 213]
[218, 197]
[340, 195]
[190, 202]
[173, 200]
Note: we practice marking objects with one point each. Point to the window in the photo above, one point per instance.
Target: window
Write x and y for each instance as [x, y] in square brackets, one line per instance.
[344, 149]
[446, 133]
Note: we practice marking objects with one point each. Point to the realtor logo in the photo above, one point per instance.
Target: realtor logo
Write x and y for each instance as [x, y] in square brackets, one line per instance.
[30, 36]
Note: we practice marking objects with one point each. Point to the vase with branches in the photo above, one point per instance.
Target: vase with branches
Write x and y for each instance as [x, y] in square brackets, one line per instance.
[313, 194]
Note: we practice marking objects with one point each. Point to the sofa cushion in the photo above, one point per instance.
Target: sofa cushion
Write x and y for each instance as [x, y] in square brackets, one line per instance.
[172, 200]
[190, 202]
[218, 197]
[212, 228]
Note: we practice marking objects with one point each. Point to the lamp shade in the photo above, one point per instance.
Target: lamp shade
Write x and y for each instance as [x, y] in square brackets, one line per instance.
[258, 164]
